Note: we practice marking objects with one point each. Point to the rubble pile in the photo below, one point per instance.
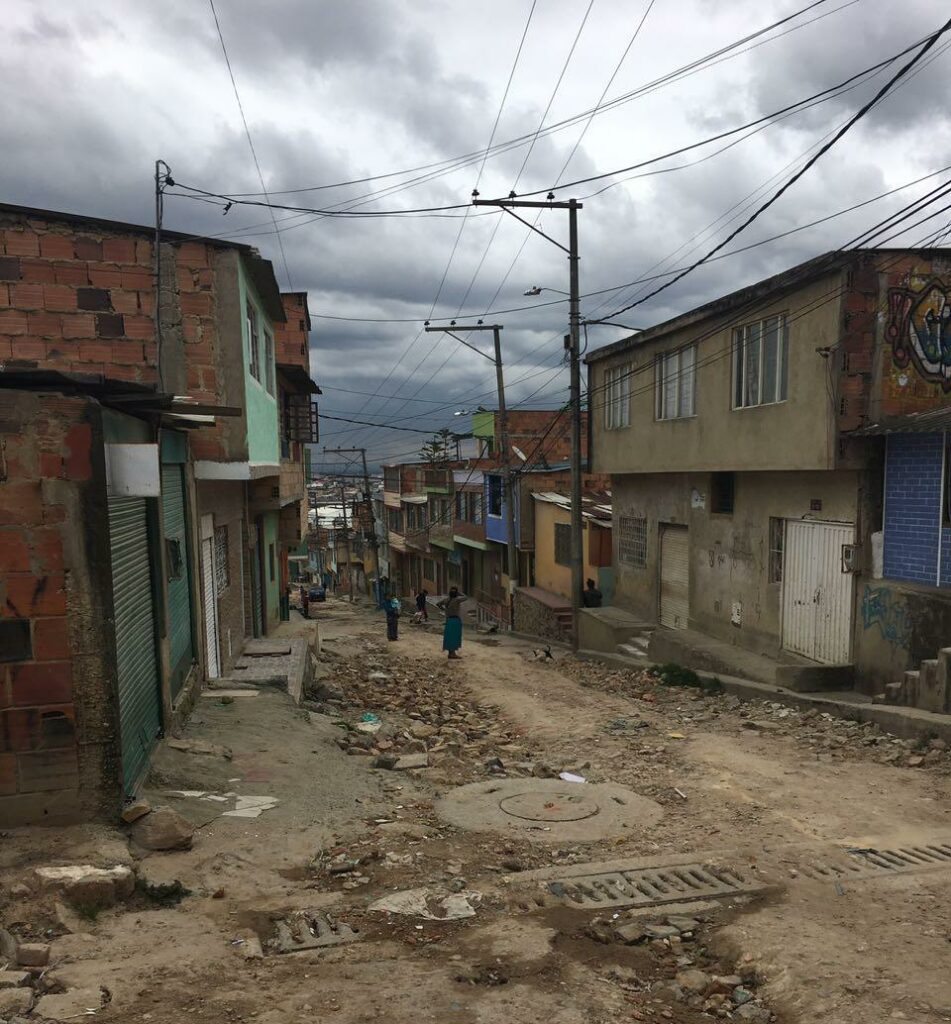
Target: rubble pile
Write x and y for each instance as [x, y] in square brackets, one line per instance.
[695, 976]
[825, 735]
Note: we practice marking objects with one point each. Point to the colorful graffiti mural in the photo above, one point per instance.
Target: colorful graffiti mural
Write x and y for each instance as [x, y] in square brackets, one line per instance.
[881, 608]
[919, 330]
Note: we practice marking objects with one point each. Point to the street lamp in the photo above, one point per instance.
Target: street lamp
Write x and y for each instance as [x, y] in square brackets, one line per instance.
[537, 290]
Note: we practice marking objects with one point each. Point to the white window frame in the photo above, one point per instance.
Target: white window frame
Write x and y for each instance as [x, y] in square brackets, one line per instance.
[617, 397]
[254, 348]
[675, 383]
[754, 383]
[268, 361]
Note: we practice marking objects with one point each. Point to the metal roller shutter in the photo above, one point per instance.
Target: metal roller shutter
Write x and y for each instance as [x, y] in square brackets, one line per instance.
[674, 576]
[140, 718]
[179, 588]
[211, 606]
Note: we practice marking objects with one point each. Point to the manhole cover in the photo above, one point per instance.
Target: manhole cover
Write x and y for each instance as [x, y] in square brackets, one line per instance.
[549, 810]
[549, 807]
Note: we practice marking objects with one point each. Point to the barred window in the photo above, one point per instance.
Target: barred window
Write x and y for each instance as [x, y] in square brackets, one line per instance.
[563, 543]
[222, 578]
[632, 541]
[617, 397]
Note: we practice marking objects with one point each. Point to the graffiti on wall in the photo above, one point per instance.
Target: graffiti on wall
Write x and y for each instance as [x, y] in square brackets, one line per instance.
[889, 613]
[919, 330]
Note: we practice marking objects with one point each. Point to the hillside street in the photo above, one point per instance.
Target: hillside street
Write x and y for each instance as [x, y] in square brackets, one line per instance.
[758, 791]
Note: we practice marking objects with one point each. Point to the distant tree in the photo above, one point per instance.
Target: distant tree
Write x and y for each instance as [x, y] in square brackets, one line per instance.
[440, 449]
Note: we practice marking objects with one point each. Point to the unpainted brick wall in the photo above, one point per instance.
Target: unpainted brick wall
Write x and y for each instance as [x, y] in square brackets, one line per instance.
[76, 298]
[58, 709]
[291, 338]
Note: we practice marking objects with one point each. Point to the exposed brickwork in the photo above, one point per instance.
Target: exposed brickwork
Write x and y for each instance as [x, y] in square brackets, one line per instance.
[73, 285]
[291, 338]
[58, 713]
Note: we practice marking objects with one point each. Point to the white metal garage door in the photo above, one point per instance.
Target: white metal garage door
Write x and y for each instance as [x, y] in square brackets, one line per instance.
[674, 576]
[817, 594]
[210, 602]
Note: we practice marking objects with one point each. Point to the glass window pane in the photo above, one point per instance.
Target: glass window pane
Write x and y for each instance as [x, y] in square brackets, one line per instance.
[770, 359]
[784, 360]
[739, 361]
[687, 358]
[751, 370]
[625, 384]
[670, 385]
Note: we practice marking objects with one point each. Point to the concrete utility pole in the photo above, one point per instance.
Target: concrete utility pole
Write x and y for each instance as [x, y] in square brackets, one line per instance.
[346, 533]
[452, 331]
[574, 355]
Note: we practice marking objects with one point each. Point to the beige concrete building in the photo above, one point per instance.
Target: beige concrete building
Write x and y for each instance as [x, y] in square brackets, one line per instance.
[733, 499]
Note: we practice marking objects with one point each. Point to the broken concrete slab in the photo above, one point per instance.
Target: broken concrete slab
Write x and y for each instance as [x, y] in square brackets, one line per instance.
[266, 648]
[232, 693]
[14, 979]
[15, 1000]
[33, 954]
[163, 829]
[251, 806]
[200, 747]
[85, 884]
[410, 761]
[77, 1002]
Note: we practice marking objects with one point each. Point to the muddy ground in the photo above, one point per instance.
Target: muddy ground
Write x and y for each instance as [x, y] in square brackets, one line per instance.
[773, 796]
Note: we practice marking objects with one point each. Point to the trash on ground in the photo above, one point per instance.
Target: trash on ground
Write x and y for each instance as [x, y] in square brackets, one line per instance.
[430, 906]
[571, 777]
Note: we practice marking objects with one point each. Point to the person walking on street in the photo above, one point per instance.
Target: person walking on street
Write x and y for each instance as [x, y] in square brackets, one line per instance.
[592, 597]
[452, 631]
[421, 597]
[392, 610]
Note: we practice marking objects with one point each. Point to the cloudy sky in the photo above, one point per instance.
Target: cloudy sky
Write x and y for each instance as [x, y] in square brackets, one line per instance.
[339, 90]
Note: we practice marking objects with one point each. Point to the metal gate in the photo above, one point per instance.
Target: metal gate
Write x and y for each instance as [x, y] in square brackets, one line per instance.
[179, 582]
[674, 576]
[140, 716]
[210, 601]
[817, 594]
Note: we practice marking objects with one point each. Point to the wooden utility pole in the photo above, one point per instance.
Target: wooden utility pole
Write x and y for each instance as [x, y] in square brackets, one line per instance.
[367, 497]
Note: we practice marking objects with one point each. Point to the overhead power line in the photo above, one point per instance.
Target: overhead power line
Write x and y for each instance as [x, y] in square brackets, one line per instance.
[852, 121]
[247, 132]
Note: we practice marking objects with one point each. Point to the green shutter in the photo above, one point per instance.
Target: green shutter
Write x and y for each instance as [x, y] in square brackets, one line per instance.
[179, 589]
[140, 719]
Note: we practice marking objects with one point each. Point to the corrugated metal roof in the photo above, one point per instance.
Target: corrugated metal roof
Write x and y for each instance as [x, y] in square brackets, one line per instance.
[910, 423]
[595, 506]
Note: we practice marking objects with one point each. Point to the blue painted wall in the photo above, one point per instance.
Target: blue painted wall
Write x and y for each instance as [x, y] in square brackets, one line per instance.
[496, 527]
[913, 530]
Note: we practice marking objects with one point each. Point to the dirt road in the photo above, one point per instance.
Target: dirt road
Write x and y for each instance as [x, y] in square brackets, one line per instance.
[676, 781]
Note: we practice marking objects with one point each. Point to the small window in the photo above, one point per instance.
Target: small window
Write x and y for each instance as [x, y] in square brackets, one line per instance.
[269, 362]
[563, 543]
[632, 541]
[254, 351]
[222, 576]
[721, 493]
[777, 537]
[495, 495]
[391, 478]
[675, 383]
[761, 363]
[173, 558]
[617, 397]
[270, 561]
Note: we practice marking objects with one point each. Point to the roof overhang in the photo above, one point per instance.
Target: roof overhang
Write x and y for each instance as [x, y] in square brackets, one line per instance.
[299, 378]
[932, 421]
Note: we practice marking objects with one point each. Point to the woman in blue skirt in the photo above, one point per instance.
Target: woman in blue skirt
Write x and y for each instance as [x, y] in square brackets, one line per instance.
[452, 631]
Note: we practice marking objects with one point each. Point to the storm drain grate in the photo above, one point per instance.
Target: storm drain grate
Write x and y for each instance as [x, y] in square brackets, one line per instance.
[309, 930]
[642, 887]
[865, 862]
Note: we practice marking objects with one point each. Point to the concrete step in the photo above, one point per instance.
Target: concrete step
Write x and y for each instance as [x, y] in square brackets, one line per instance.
[630, 651]
[640, 642]
[909, 689]
[932, 687]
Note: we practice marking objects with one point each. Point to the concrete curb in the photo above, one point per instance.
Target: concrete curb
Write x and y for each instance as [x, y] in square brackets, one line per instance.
[906, 723]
